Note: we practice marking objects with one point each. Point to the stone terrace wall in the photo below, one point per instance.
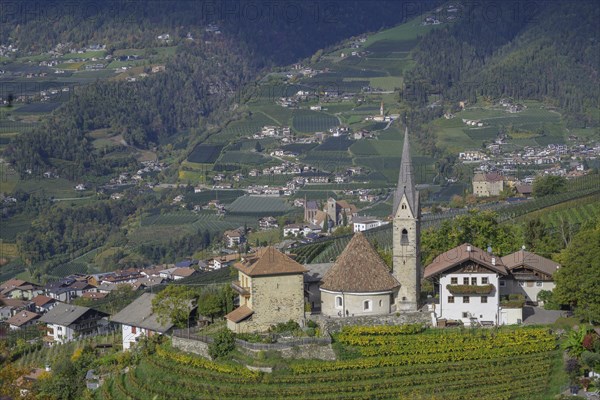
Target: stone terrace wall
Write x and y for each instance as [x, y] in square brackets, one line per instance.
[335, 324]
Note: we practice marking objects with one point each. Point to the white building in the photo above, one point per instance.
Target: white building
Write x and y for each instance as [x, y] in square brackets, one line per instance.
[365, 223]
[468, 281]
[137, 320]
[67, 322]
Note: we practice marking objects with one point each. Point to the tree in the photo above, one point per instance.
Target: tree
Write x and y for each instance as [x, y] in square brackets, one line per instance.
[174, 304]
[209, 305]
[577, 280]
[258, 147]
[546, 185]
[222, 345]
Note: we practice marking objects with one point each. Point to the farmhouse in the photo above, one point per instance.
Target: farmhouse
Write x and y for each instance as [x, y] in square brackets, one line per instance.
[271, 291]
[19, 289]
[529, 274]
[137, 320]
[467, 279]
[359, 283]
[362, 224]
[234, 237]
[67, 322]
[22, 320]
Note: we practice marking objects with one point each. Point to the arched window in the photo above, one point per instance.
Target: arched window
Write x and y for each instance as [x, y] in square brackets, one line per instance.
[380, 303]
[339, 302]
[403, 206]
[367, 305]
[404, 237]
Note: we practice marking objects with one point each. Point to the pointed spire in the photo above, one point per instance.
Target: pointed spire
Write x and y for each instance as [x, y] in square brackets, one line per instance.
[406, 183]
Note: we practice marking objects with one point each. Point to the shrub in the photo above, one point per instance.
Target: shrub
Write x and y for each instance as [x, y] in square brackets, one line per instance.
[312, 324]
[285, 327]
[311, 332]
[223, 344]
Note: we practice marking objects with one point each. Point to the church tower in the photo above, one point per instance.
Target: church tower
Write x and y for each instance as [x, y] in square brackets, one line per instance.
[406, 235]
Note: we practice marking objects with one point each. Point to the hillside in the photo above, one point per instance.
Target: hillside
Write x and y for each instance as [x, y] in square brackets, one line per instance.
[547, 53]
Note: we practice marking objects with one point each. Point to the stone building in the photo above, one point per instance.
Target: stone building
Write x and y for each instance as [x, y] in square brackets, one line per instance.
[406, 235]
[359, 282]
[485, 185]
[271, 291]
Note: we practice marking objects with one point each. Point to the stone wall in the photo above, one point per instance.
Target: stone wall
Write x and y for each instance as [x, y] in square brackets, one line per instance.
[335, 324]
[276, 299]
[302, 351]
[191, 346]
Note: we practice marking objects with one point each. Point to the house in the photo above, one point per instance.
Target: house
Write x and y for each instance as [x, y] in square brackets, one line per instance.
[362, 224]
[11, 307]
[529, 274]
[271, 290]
[137, 320]
[67, 322]
[19, 289]
[490, 184]
[180, 273]
[524, 190]
[468, 282]
[43, 303]
[267, 223]
[22, 319]
[358, 283]
[68, 289]
[234, 237]
[94, 295]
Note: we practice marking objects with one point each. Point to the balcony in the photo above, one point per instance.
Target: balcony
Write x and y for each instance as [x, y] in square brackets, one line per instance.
[470, 289]
[244, 291]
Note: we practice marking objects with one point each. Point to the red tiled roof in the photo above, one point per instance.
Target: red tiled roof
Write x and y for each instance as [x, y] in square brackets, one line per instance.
[41, 300]
[269, 261]
[239, 314]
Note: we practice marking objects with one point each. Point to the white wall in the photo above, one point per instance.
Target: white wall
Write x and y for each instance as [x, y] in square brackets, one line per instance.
[482, 311]
[129, 337]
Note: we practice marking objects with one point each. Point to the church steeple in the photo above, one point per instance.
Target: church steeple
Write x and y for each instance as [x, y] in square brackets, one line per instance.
[406, 184]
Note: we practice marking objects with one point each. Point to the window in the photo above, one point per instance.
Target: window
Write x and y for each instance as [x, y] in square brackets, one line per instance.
[404, 237]
[502, 283]
[484, 299]
[367, 305]
[450, 299]
[380, 303]
[484, 280]
[339, 302]
[538, 284]
[465, 315]
[474, 281]
[403, 206]
[454, 281]
[465, 299]
[134, 330]
[465, 281]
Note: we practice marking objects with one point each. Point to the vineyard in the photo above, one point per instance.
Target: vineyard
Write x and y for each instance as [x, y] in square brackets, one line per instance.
[313, 121]
[393, 362]
[574, 212]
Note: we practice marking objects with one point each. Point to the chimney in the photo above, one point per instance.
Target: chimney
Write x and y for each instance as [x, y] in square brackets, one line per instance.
[493, 260]
[468, 248]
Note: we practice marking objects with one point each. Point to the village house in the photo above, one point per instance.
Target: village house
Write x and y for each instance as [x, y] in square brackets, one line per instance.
[10, 307]
[137, 320]
[529, 274]
[22, 319]
[266, 223]
[19, 289]
[271, 291]
[67, 322]
[185, 272]
[234, 237]
[362, 224]
[468, 282]
[43, 303]
[490, 184]
[358, 283]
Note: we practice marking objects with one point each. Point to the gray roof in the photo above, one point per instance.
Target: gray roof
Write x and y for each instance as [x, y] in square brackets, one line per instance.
[139, 313]
[66, 314]
[316, 272]
[406, 184]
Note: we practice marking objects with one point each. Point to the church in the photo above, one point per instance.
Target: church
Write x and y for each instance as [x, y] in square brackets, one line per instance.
[359, 282]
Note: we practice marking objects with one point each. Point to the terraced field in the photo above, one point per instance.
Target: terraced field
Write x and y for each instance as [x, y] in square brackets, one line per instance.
[392, 362]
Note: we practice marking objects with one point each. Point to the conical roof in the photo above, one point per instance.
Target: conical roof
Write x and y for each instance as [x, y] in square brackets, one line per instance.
[406, 184]
[359, 269]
